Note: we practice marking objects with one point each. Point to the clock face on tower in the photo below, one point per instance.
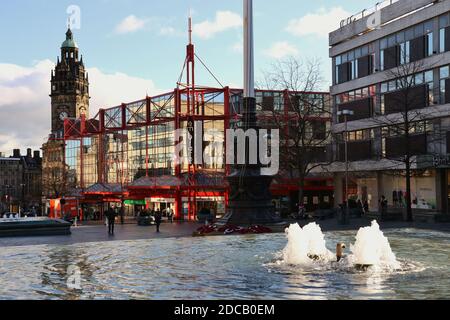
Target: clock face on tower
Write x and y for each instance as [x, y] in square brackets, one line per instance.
[63, 115]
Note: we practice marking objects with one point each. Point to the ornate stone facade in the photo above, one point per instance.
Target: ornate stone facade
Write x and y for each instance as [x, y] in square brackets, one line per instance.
[69, 85]
[69, 99]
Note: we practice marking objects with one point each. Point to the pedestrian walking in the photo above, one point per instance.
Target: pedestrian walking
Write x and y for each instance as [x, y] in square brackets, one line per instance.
[111, 215]
[158, 219]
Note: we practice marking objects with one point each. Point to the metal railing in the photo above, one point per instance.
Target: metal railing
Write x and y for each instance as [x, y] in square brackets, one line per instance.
[367, 12]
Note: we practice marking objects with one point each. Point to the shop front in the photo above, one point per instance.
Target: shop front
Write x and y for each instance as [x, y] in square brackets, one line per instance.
[370, 187]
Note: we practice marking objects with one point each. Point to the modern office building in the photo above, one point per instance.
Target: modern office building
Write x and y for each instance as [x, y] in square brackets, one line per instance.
[399, 49]
[124, 155]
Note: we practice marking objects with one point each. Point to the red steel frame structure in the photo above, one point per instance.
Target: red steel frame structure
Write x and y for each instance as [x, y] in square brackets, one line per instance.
[188, 102]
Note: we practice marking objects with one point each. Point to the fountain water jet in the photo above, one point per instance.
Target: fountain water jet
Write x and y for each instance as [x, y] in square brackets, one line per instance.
[305, 245]
[372, 248]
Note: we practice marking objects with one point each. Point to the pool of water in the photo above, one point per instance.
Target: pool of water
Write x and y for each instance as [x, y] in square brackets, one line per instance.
[246, 267]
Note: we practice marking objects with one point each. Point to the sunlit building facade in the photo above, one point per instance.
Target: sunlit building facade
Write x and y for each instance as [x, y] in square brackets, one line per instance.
[127, 153]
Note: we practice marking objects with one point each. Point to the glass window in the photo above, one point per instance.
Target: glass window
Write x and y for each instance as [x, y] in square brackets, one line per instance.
[365, 92]
[409, 81]
[441, 40]
[392, 41]
[384, 87]
[408, 51]
[338, 60]
[402, 53]
[428, 26]
[429, 76]
[443, 21]
[364, 51]
[344, 58]
[442, 90]
[351, 55]
[400, 37]
[351, 95]
[392, 85]
[409, 34]
[444, 72]
[383, 43]
[430, 44]
[419, 78]
[418, 30]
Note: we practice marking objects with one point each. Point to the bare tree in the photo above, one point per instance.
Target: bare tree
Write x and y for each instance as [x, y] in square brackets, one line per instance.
[57, 182]
[403, 119]
[304, 119]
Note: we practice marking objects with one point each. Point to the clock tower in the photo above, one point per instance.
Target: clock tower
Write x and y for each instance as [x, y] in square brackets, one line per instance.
[69, 99]
[69, 86]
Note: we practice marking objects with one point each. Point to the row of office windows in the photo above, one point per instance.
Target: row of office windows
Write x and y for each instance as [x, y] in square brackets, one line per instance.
[419, 127]
[410, 45]
[391, 95]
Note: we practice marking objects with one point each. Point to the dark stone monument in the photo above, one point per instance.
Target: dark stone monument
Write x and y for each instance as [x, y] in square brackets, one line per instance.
[250, 200]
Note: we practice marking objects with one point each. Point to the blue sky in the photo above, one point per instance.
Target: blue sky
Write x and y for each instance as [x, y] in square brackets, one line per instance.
[144, 41]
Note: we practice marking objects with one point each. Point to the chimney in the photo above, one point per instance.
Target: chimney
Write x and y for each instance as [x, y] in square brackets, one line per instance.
[29, 153]
[16, 153]
[37, 155]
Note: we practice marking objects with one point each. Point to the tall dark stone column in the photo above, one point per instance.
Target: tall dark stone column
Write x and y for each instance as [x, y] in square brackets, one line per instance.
[250, 200]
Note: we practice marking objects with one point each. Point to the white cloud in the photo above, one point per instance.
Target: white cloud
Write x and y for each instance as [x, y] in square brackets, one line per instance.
[109, 90]
[25, 109]
[224, 21]
[131, 24]
[168, 31]
[281, 49]
[320, 23]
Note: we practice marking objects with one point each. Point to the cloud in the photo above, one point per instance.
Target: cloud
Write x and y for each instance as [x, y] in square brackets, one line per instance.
[281, 49]
[131, 24]
[224, 21]
[25, 109]
[168, 31]
[109, 90]
[320, 23]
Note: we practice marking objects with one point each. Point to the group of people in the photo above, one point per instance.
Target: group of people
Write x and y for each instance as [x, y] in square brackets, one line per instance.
[112, 213]
[398, 198]
[363, 208]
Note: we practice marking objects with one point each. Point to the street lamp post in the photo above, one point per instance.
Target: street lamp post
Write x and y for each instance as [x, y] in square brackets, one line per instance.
[346, 114]
[22, 204]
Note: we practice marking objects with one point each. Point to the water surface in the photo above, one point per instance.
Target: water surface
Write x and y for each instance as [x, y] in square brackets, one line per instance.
[246, 267]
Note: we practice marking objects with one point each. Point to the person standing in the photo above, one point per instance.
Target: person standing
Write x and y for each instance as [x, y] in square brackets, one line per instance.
[158, 219]
[383, 207]
[366, 207]
[111, 215]
[171, 215]
[360, 206]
